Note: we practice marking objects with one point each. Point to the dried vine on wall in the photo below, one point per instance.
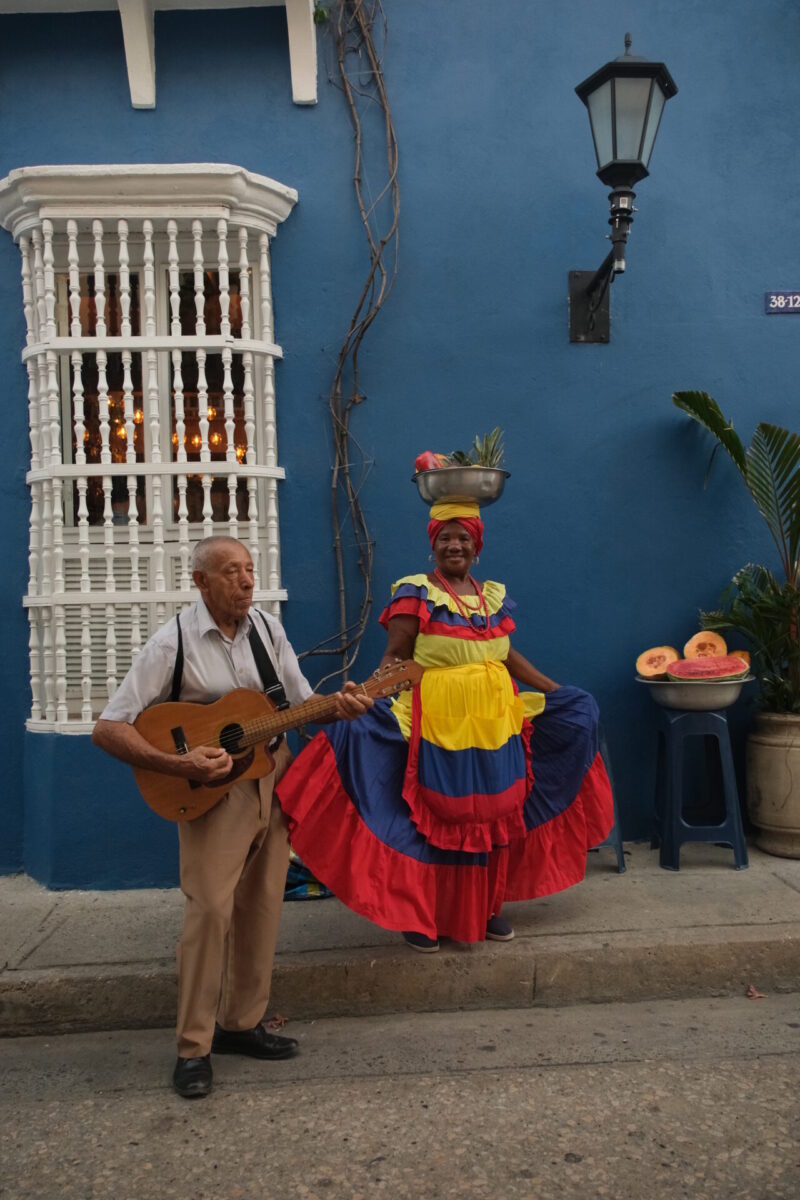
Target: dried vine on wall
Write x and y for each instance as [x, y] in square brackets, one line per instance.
[358, 29]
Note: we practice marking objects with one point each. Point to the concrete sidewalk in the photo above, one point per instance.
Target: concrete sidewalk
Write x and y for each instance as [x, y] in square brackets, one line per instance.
[105, 960]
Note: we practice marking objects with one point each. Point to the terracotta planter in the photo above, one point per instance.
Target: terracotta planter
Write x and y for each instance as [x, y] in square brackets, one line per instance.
[773, 782]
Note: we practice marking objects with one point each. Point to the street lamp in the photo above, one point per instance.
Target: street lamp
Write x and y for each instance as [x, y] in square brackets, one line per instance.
[625, 99]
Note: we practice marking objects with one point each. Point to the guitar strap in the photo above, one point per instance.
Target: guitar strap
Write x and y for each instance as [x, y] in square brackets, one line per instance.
[273, 688]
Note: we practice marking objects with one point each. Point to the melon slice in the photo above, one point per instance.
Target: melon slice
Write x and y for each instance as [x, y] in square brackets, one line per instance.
[743, 654]
[653, 663]
[704, 645]
[708, 668]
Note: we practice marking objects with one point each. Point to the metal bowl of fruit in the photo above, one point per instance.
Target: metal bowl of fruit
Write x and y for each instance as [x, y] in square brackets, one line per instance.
[695, 695]
[477, 485]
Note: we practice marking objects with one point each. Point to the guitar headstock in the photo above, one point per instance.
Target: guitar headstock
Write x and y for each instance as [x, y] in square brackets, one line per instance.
[396, 677]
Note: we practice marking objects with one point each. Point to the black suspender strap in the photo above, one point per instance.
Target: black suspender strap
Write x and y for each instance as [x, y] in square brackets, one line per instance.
[269, 678]
[177, 674]
[273, 687]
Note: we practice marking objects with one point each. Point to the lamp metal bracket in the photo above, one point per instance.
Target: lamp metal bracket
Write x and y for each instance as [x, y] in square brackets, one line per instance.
[589, 310]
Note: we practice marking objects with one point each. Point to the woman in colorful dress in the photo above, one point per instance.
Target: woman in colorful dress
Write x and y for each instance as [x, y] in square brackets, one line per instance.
[436, 807]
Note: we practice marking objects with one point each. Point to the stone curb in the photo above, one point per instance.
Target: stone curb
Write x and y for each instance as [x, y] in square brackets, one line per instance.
[544, 971]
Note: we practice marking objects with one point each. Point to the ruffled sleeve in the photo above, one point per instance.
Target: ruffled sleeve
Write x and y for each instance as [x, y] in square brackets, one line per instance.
[410, 598]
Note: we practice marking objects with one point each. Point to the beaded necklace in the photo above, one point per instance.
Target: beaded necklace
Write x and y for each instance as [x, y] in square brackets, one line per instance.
[461, 606]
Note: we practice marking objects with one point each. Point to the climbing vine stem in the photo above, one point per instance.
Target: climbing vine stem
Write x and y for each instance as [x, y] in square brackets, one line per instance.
[359, 36]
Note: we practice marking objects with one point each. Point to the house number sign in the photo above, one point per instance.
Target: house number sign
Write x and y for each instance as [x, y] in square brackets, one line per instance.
[781, 302]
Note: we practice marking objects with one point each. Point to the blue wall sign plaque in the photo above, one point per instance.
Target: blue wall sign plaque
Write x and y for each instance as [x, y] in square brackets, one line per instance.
[781, 302]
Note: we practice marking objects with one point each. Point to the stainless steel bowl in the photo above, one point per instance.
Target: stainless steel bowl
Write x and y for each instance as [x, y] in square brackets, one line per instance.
[482, 485]
[696, 695]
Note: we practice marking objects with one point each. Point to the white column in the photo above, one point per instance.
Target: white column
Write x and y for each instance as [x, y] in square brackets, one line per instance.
[159, 579]
[180, 415]
[202, 382]
[79, 428]
[249, 454]
[47, 633]
[130, 431]
[273, 572]
[34, 545]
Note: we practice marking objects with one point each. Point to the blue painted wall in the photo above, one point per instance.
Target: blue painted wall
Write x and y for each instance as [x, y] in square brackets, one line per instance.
[605, 536]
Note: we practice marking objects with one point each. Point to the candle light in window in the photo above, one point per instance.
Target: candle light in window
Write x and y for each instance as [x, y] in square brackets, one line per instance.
[215, 439]
[122, 433]
[196, 440]
[240, 452]
[138, 416]
[212, 412]
[174, 439]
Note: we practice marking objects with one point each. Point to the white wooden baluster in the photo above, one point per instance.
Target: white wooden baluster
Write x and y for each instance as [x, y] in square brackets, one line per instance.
[227, 377]
[47, 626]
[130, 431]
[35, 658]
[34, 545]
[273, 572]
[184, 548]
[86, 663]
[202, 382]
[54, 408]
[79, 427]
[105, 457]
[79, 423]
[249, 406]
[154, 419]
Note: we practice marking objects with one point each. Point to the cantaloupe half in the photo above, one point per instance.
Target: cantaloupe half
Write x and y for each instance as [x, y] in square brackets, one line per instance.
[743, 654]
[652, 664]
[705, 644]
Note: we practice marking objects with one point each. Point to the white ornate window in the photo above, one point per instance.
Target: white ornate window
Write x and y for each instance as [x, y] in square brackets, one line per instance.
[151, 397]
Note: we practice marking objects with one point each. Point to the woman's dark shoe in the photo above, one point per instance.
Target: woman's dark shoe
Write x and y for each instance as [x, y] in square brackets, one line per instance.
[255, 1043]
[498, 930]
[418, 941]
[192, 1077]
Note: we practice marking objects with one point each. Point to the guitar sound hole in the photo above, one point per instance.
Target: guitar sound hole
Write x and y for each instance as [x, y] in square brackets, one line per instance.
[230, 737]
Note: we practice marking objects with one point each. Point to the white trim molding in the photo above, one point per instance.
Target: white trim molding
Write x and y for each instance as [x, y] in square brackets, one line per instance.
[138, 34]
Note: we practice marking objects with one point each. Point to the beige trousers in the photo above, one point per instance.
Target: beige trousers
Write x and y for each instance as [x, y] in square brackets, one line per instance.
[233, 864]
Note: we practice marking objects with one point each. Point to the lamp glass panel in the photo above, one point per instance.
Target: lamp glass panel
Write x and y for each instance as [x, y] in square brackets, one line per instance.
[656, 109]
[631, 105]
[599, 105]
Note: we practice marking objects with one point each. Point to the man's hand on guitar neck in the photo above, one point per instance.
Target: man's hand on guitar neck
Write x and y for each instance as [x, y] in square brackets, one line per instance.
[351, 703]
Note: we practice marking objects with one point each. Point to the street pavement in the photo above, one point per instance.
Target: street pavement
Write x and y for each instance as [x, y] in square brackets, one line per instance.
[72, 961]
[655, 1100]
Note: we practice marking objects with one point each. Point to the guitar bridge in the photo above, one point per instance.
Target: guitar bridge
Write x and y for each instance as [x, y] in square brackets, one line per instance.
[182, 747]
[179, 738]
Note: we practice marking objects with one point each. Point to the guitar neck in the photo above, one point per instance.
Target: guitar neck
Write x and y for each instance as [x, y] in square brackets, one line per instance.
[316, 708]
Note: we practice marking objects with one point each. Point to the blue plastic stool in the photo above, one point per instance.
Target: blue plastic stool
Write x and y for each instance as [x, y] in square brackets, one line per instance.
[671, 827]
[614, 839]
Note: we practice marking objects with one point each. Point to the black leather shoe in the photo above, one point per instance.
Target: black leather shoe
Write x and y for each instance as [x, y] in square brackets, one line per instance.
[255, 1043]
[192, 1077]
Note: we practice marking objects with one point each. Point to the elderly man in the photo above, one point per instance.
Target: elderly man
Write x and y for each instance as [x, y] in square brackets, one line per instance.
[234, 858]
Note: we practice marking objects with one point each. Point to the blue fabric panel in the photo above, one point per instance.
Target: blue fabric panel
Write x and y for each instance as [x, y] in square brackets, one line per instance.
[470, 772]
[371, 756]
[563, 747]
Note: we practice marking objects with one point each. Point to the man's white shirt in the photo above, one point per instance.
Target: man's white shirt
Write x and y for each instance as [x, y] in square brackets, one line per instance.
[213, 664]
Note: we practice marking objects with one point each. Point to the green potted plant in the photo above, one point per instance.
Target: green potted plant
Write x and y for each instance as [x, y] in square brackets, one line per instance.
[764, 606]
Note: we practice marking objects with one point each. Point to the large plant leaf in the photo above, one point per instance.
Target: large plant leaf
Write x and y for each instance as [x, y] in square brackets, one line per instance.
[704, 410]
[767, 613]
[772, 475]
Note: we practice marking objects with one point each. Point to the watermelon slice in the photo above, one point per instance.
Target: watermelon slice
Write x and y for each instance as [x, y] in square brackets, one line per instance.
[709, 668]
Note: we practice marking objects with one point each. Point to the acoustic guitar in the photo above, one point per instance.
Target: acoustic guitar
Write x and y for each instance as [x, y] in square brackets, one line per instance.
[244, 723]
